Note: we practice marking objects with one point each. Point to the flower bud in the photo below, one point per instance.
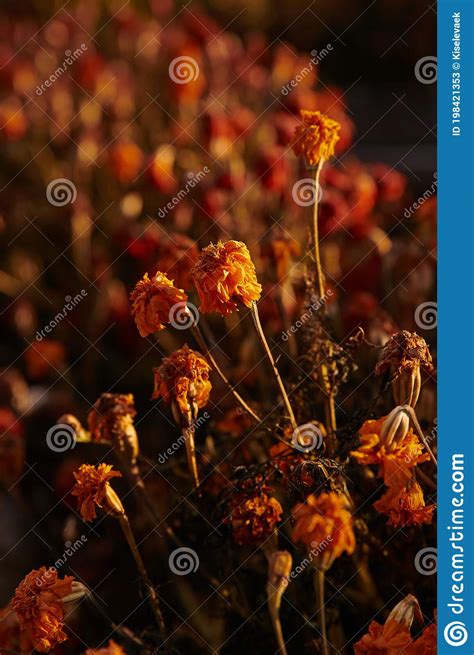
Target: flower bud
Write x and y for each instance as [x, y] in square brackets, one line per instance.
[395, 427]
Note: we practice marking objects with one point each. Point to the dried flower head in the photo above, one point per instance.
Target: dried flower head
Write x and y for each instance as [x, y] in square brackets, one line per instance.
[316, 137]
[111, 649]
[152, 302]
[39, 605]
[92, 488]
[224, 275]
[405, 505]
[253, 517]
[111, 420]
[324, 523]
[405, 350]
[183, 377]
[394, 461]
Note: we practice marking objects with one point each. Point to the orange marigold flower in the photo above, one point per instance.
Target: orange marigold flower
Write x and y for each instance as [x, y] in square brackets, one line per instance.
[324, 522]
[394, 636]
[92, 488]
[38, 603]
[388, 639]
[111, 420]
[395, 464]
[316, 137]
[405, 506]
[224, 275]
[183, 377]
[111, 649]
[153, 301]
[253, 517]
[426, 644]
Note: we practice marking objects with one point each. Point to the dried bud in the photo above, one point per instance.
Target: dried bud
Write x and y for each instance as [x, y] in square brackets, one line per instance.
[405, 611]
[279, 569]
[406, 387]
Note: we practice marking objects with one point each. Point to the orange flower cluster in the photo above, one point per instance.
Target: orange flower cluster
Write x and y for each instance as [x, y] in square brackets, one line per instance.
[111, 420]
[323, 522]
[40, 609]
[92, 488]
[184, 378]
[111, 649]
[152, 301]
[404, 501]
[315, 139]
[253, 517]
[224, 275]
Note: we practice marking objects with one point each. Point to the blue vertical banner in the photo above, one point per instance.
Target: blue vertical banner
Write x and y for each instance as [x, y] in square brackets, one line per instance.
[456, 327]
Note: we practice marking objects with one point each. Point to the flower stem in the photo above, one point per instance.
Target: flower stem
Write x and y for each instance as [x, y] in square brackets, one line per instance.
[153, 597]
[330, 411]
[203, 345]
[319, 580]
[188, 434]
[258, 327]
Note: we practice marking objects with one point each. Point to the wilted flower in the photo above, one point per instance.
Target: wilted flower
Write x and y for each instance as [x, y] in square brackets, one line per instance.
[39, 604]
[394, 461]
[183, 377]
[394, 636]
[405, 505]
[253, 517]
[111, 649]
[152, 301]
[225, 275]
[92, 488]
[316, 137]
[111, 420]
[324, 522]
[404, 354]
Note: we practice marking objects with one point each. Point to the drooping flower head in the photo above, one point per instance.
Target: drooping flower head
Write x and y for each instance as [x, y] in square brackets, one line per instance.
[153, 301]
[224, 275]
[93, 489]
[316, 137]
[111, 421]
[39, 604]
[253, 516]
[324, 523]
[111, 649]
[183, 377]
[405, 505]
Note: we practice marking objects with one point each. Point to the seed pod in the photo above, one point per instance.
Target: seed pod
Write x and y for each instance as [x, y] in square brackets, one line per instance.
[406, 387]
[405, 611]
